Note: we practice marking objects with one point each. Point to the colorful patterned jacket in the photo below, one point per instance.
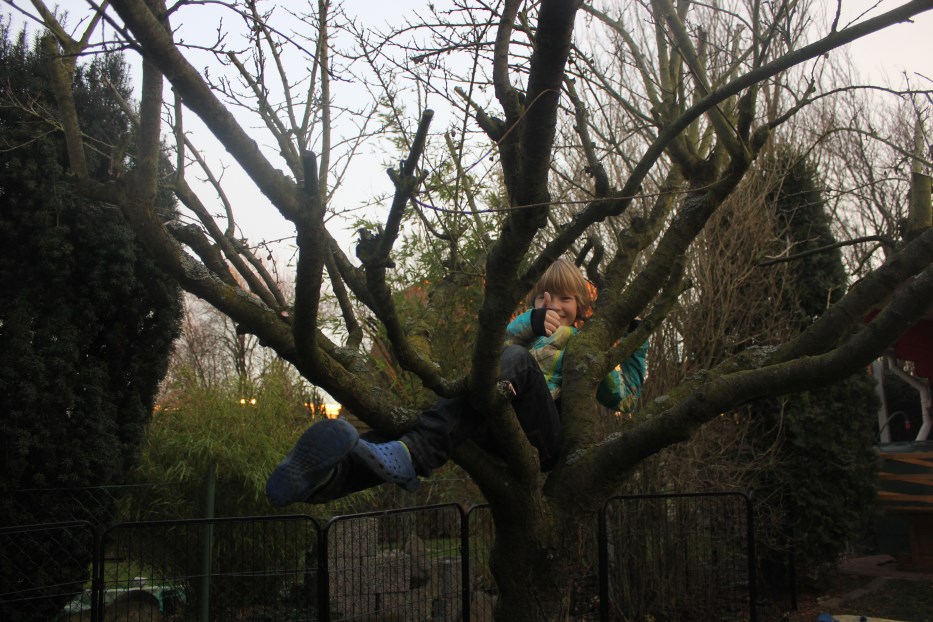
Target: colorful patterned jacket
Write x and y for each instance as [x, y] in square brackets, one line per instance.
[619, 390]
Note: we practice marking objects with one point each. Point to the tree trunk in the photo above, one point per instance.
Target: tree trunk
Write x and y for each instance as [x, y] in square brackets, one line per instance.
[537, 554]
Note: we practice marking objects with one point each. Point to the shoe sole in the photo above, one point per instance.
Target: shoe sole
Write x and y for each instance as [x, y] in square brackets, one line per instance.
[310, 461]
[389, 465]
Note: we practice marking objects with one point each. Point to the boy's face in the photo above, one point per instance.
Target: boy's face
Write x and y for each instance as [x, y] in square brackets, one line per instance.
[564, 305]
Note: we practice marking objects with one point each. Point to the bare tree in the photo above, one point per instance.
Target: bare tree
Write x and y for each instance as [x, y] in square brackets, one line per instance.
[706, 103]
[210, 352]
[870, 160]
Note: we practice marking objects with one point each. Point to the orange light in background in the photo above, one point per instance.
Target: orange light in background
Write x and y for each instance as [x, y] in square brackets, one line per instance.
[331, 411]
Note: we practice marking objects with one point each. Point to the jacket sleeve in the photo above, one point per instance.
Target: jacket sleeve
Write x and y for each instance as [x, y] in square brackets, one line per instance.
[619, 390]
[520, 331]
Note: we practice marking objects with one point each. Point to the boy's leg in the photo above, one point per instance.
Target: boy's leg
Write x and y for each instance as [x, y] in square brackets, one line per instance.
[535, 408]
[438, 431]
[449, 422]
[330, 461]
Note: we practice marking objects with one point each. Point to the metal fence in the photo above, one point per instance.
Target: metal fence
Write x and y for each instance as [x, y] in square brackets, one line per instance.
[43, 566]
[675, 557]
[254, 568]
[404, 565]
[678, 557]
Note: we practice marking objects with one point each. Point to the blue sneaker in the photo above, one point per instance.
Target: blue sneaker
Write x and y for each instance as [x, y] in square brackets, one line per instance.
[390, 461]
[312, 462]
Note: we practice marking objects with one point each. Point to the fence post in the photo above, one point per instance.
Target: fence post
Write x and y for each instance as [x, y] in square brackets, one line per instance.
[752, 560]
[465, 562]
[323, 575]
[97, 574]
[602, 542]
[207, 543]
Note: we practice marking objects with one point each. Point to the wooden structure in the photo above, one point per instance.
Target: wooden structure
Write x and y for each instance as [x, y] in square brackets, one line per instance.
[907, 493]
[907, 468]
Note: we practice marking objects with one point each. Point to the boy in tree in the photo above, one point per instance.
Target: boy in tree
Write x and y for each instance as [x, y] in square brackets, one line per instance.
[330, 460]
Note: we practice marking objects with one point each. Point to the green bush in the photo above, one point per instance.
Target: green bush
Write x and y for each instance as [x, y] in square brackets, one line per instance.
[220, 426]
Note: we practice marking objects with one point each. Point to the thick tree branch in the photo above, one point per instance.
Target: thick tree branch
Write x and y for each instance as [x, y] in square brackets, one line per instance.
[507, 95]
[545, 80]
[674, 417]
[61, 74]
[374, 251]
[309, 272]
[552, 46]
[865, 295]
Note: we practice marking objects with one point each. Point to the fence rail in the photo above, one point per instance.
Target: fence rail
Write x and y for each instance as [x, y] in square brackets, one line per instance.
[674, 557]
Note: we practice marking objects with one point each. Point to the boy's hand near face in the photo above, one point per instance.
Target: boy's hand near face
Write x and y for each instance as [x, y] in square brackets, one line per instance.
[551, 313]
[551, 318]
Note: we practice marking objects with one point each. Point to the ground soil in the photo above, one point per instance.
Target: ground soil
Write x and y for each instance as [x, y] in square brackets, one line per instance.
[870, 587]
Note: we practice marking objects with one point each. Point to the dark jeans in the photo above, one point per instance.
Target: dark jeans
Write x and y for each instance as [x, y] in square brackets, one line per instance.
[450, 422]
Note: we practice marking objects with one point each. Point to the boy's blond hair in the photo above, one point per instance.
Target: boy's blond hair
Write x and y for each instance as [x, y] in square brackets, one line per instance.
[563, 278]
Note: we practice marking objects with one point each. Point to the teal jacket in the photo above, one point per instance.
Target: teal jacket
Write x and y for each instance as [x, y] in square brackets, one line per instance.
[619, 390]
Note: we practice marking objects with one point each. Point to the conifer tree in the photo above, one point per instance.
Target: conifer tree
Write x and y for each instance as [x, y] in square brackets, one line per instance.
[824, 475]
[86, 319]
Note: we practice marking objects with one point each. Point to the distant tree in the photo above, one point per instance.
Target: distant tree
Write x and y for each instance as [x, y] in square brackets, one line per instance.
[783, 274]
[829, 431]
[805, 228]
[210, 353]
[86, 318]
